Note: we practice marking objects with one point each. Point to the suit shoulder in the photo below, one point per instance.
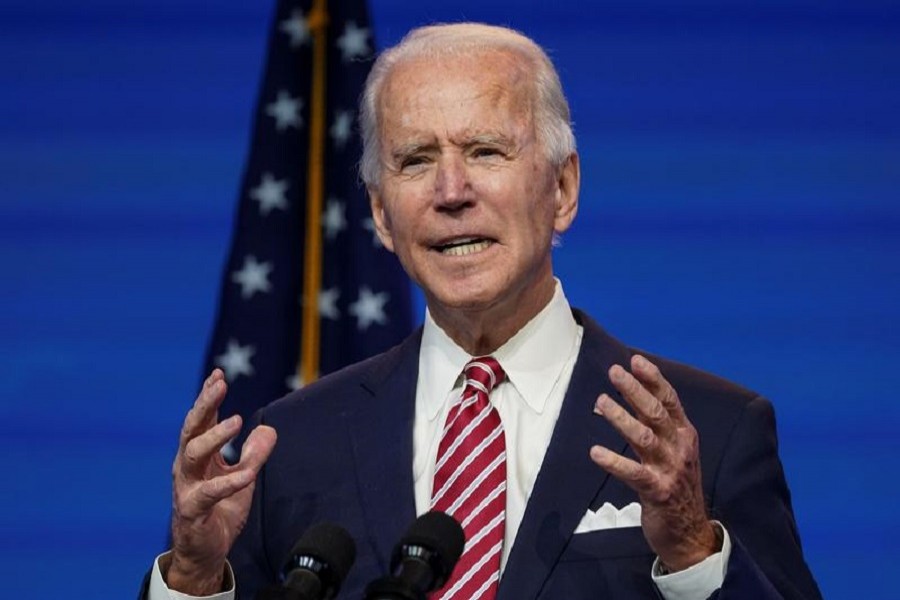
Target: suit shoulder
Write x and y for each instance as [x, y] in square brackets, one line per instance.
[335, 391]
[689, 380]
[695, 387]
[714, 405]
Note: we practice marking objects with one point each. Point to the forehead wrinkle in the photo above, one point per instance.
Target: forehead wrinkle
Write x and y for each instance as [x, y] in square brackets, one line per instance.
[513, 81]
[509, 94]
[510, 123]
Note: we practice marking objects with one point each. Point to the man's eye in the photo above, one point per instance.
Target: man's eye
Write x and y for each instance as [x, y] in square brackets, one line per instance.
[412, 161]
[486, 152]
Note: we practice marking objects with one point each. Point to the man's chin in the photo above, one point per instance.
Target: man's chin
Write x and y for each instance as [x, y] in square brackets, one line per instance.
[463, 301]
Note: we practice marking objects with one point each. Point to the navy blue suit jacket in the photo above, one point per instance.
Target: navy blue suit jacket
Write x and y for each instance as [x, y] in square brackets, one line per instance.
[344, 454]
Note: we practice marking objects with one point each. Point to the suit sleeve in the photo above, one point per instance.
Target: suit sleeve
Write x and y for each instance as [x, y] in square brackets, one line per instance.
[751, 498]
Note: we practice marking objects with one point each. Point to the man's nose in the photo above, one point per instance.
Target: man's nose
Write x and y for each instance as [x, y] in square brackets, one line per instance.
[452, 187]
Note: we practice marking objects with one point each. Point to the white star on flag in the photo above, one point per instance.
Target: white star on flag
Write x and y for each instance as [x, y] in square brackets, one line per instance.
[328, 303]
[270, 193]
[296, 28]
[294, 382]
[340, 129]
[236, 360]
[228, 452]
[334, 220]
[353, 42]
[253, 277]
[369, 225]
[286, 111]
[258, 354]
[369, 308]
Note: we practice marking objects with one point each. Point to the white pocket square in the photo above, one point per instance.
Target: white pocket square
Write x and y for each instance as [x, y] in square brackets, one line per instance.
[610, 517]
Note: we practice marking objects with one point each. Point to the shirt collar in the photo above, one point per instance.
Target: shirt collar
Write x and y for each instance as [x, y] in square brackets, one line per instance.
[533, 358]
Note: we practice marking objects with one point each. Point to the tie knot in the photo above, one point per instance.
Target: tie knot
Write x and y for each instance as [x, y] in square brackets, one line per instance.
[486, 371]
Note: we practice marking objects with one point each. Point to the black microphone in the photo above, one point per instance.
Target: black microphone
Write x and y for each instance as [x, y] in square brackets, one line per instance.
[422, 561]
[319, 561]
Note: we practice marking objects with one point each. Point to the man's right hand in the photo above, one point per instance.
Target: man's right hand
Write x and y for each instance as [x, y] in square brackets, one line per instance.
[211, 499]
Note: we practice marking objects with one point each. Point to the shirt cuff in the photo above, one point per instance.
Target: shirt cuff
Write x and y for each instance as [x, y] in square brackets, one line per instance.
[160, 591]
[698, 581]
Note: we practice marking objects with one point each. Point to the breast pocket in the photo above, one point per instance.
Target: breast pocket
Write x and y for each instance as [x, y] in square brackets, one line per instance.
[609, 563]
[621, 542]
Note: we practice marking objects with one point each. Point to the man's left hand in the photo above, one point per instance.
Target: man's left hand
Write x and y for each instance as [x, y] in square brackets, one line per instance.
[667, 477]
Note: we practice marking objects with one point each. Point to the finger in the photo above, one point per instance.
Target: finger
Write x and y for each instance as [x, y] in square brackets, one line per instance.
[214, 490]
[638, 435]
[208, 393]
[652, 379]
[630, 472]
[255, 452]
[202, 415]
[257, 448]
[198, 451]
[647, 407]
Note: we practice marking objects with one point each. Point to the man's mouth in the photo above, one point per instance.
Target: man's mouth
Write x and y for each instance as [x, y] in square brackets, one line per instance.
[464, 246]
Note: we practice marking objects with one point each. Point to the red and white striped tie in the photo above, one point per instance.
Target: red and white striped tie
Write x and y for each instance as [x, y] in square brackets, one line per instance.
[470, 483]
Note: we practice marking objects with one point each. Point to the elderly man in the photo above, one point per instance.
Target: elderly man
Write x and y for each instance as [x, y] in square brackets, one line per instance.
[578, 468]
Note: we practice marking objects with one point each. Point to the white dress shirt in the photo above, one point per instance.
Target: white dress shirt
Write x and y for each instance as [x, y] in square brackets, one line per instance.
[538, 361]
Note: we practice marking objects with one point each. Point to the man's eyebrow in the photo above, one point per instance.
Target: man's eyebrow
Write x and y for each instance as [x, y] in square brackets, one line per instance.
[409, 149]
[494, 139]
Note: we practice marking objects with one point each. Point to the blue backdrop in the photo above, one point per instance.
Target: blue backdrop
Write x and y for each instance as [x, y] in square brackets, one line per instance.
[741, 168]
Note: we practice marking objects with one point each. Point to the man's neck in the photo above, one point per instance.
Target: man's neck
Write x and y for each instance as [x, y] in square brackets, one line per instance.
[481, 332]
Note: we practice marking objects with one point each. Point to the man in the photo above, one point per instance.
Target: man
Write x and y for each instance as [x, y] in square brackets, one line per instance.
[620, 476]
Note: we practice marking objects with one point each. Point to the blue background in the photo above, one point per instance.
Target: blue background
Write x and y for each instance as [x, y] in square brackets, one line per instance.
[739, 211]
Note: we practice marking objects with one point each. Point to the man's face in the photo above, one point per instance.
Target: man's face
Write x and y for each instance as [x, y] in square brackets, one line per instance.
[467, 198]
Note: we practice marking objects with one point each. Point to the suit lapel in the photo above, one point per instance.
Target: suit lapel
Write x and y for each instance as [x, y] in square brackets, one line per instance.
[380, 431]
[568, 481]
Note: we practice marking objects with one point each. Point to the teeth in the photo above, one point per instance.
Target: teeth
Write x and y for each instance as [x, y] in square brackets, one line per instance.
[466, 248]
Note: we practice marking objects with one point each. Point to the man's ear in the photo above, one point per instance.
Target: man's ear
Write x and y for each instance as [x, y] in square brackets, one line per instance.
[567, 185]
[379, 218]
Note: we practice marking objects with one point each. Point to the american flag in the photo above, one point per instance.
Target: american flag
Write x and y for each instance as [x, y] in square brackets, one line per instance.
[304, 153]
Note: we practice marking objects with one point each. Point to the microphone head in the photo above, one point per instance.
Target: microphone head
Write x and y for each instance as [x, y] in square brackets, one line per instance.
[327, 550]
[441, 536]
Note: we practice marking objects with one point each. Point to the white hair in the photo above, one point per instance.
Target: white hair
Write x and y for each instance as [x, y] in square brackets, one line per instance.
[552, 118]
